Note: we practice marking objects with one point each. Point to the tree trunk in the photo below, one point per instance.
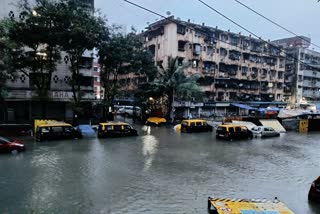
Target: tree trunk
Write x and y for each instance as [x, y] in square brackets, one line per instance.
[170, 103]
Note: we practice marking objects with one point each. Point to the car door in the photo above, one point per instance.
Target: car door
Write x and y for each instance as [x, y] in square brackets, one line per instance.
[267, 132]
[3, 146]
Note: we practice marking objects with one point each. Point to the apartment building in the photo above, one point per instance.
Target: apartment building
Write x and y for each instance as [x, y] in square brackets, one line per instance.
[302, 76]
[234, 67]
[21, 105]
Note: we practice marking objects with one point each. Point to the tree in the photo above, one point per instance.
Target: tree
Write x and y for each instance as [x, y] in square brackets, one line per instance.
[80, 31]
[121, 55]
[35, 50]
[172, 82]
[5, 47]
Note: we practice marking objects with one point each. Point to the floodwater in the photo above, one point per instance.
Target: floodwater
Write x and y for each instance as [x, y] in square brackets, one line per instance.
[158, 172]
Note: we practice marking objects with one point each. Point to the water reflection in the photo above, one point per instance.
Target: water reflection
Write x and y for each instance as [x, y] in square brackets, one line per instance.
[149, 149]
[159, 171]
[46, 179]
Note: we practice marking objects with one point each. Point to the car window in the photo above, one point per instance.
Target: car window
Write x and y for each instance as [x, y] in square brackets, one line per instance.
[255, 129]
[44, 129]
[220, 128]
[109, 127]
[198, 124]
[238, 129]
[68, 129]
[184, 123]
[117, 127]
[192, 124]
[231, 129]
[57, 129]
[5, 140]
[2, 141]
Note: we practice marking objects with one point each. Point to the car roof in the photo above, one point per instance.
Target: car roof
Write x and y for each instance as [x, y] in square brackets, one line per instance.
[113, 124]
[231, 125]
[194, 120]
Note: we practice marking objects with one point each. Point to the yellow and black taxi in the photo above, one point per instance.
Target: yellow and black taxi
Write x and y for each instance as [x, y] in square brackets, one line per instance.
[116, 129]
[54, 130]
[156, 121]
[194, 125]
[233, 132]
[314, 192]
[244, 206]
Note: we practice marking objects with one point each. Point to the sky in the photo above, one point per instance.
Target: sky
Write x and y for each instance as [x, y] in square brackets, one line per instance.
[300, 16]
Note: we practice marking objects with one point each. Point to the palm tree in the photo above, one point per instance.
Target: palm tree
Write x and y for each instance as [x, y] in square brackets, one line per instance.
[173, 82]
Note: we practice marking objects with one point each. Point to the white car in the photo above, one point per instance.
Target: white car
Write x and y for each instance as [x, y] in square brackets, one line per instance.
[264, 131]
[129, 110]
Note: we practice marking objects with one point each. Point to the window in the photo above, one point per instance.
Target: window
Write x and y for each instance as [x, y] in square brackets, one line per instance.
[181, 45]
[231, 129]
[181, 29]
[198, 124]
[224, 37]
[158, 46]
[194, 64]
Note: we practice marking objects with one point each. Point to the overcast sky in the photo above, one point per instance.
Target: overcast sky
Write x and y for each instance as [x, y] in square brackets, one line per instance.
[300, 16]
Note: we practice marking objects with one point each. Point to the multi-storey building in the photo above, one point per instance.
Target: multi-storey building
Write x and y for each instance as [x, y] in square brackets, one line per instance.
[21, 105]
[234, 67]
[302, 76]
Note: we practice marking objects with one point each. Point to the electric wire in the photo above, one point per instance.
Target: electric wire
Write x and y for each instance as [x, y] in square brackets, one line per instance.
[247, 30]
[275, 23]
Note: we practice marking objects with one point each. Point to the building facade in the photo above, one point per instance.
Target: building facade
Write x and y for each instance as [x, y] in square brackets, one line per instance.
[302, 76]
[20, 99]
[233, 67]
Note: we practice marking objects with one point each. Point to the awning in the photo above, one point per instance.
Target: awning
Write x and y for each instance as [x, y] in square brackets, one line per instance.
[243, 106]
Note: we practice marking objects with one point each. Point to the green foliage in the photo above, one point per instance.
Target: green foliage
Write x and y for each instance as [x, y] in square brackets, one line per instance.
[34, 49]
[120, 55]
[79, 30]
[172, 82]
[173, 79]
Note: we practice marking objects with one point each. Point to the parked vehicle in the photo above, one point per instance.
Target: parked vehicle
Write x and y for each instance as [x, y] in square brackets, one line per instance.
[129, 110]
[9, 145]
[155, 121]
[86, 130]
[116, 129]
[54, 130]
[246, 206]
[194, 125]
[233, 132]
[264, 131]
[314, 192]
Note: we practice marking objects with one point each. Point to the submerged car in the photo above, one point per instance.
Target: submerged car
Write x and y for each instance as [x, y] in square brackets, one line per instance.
[233, 132]
[116, 129]
[9, 145]
[246, 206]
[314, 192]
[155, 121]
[54, 130]
[86, 130]
[194, 125]
[264, 131]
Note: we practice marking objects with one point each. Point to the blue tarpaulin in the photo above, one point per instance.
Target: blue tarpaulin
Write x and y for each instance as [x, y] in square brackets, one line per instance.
[243, 106]
[269, 109]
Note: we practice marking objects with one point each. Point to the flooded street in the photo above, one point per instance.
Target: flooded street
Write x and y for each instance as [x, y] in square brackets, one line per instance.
[158, 172]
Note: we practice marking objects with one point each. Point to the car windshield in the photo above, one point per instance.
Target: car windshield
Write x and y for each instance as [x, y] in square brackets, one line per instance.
[6, 139]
